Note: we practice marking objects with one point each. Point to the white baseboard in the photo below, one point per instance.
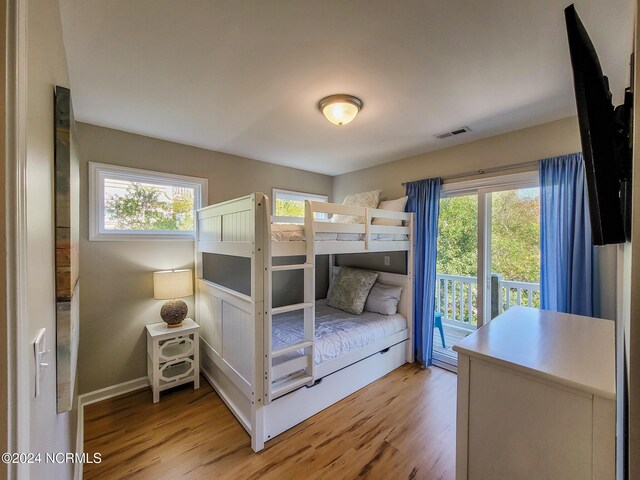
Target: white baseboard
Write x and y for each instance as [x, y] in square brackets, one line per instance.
[98, 396]
[113, 391]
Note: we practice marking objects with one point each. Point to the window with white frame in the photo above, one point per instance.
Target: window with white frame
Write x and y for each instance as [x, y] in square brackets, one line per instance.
[288, 206]
[129, 204]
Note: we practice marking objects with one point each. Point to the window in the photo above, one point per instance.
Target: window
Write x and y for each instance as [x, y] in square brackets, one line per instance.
[288, 206]
[131, 204]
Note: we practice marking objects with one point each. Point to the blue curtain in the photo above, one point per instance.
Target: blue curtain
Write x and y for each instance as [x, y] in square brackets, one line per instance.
[424, 202]
[566, 252]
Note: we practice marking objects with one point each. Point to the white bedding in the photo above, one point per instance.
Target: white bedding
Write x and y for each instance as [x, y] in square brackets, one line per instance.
[294, 232]
[337, 332]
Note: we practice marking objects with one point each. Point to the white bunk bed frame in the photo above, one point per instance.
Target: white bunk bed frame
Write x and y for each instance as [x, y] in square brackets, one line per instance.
[235, 329]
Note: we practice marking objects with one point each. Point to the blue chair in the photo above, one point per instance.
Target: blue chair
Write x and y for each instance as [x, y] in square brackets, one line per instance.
[438, 324]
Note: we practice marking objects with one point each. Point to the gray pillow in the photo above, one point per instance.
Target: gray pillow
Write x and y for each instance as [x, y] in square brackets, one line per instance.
[350, 289]
[383, 299]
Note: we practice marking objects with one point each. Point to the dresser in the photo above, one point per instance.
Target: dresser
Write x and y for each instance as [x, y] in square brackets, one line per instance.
[536, 398]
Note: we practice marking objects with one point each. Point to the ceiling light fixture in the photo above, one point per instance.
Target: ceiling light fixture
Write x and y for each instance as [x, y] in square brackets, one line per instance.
[340, 109]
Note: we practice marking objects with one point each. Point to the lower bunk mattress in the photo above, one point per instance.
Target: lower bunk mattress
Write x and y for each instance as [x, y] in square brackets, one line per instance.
[337, 332]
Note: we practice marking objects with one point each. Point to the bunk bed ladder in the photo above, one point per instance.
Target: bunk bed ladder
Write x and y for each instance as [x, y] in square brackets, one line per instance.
[300, 369]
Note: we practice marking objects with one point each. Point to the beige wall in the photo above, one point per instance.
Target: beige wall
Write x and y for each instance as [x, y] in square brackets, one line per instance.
[117, 295]
[49, 432]
[522, 146]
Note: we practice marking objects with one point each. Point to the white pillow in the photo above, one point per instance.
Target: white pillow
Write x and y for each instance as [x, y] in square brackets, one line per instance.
[383, 299]
[362, 199]
[396, 205]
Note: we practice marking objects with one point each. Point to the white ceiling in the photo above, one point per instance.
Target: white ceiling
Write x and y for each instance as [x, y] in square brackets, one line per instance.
[244, 77]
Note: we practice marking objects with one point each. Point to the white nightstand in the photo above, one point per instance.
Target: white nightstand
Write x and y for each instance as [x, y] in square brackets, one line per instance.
[172, 356]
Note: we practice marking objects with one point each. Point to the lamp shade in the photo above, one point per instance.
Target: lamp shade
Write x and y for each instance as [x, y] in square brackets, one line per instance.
[168, 284]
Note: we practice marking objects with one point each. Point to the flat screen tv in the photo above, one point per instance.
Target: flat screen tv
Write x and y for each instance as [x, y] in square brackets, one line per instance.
[604, 133]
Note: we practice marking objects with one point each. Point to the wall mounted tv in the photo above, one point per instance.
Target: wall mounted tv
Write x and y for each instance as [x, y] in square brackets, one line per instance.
[604, 132]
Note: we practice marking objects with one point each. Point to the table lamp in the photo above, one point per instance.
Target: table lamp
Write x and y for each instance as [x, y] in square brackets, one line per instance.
[172, 285]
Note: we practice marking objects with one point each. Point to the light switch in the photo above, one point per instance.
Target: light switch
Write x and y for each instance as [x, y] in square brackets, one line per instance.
[387, 260]
[40, 354]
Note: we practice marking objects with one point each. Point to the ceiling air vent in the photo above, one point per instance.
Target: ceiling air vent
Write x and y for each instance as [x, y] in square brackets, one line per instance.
[453, 133]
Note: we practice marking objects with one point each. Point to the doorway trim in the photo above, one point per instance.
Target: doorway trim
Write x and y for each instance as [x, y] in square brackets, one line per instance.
[18, 343]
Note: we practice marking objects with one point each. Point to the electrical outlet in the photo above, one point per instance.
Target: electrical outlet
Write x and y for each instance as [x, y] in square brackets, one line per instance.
[387, 260]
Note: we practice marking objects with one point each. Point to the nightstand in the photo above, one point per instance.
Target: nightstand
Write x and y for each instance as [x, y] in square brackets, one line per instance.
[172, 356]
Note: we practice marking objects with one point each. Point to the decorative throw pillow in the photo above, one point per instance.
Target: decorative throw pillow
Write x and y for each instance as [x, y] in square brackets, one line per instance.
[332, 281]
[362, 199]
[396, 205]
[350, 289]
[383, 299]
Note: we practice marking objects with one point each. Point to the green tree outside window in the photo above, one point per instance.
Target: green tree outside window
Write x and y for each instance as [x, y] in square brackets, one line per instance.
[289, 208]
[149, 208]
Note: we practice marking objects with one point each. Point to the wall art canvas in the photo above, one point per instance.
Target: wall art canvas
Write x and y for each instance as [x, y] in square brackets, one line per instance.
[67, 242]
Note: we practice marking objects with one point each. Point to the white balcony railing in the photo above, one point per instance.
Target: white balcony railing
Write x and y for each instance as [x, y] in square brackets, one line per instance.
[517, 293]
[457, 298]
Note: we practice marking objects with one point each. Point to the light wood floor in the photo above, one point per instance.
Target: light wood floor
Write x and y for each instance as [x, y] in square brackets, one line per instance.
[401, 426]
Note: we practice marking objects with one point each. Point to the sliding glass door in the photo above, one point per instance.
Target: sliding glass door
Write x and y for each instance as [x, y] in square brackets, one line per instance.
[456, 303]
[488, 256]
[514, 246]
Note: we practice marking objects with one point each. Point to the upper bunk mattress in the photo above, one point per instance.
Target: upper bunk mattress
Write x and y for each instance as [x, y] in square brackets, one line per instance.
[337, 332]
[294, 232]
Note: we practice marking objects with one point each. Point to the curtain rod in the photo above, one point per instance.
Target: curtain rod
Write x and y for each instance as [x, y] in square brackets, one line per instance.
[484, 171]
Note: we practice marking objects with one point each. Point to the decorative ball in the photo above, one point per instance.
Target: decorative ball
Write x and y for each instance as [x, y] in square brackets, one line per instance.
[174, 312]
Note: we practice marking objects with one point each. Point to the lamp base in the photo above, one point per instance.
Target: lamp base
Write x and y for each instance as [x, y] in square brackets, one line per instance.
[174, 312]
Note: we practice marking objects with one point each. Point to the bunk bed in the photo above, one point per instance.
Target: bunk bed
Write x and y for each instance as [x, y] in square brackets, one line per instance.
[266, 362]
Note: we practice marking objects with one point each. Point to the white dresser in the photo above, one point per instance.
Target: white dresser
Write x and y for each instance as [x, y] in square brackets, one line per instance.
[536, 398]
